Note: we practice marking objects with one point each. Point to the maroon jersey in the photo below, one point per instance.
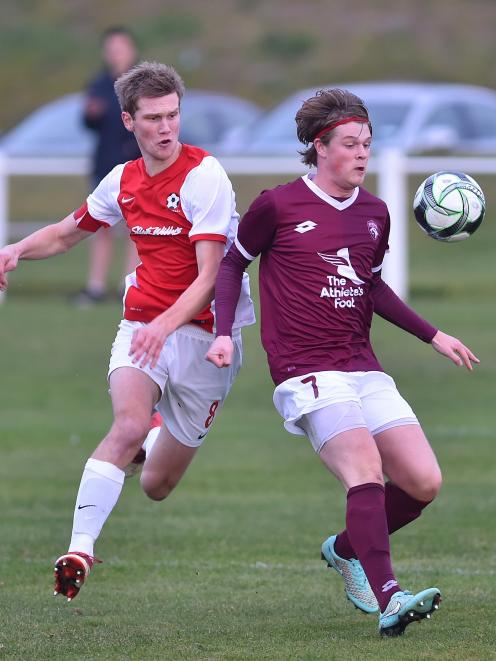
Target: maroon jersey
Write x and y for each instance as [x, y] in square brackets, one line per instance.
[318, 260]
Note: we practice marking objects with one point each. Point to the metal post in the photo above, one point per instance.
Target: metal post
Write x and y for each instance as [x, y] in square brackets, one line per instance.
[392, 188]
[4, 205]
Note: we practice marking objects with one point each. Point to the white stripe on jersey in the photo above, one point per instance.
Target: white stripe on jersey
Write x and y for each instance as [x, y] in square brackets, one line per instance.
[244, 252]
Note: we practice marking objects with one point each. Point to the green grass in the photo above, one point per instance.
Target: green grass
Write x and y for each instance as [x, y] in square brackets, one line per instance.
[228, 568]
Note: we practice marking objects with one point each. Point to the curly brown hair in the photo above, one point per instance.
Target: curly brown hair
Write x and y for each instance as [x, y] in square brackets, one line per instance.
[147, 79]
[322, 110]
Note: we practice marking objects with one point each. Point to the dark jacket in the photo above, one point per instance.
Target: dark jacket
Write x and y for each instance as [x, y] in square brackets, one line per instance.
[114, 143]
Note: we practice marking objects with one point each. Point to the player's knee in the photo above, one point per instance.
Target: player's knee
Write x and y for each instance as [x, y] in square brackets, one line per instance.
[429, 487]
[432, 486]
[372, 473]
[131, 429]
[158, 489]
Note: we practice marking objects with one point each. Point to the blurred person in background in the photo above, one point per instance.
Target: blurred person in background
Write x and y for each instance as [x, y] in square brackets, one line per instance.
[102, 114]
[322, 240]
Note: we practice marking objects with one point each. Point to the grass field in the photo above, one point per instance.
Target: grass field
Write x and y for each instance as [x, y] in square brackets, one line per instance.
[228, 568]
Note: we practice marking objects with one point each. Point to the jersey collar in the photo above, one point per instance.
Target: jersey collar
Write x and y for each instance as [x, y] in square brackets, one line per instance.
[337, 204]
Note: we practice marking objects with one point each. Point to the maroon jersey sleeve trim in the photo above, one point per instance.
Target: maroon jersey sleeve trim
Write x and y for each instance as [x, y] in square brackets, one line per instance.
[208, 237]
[244, 252]
[85, 221]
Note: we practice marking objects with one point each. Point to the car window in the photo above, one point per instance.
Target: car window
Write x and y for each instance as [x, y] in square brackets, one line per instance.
[387, 119]
[452, 115]
[278, 126]
[198, 128]
[482, 119]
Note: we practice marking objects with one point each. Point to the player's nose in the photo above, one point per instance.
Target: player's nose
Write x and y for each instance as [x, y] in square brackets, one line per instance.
[164, 126]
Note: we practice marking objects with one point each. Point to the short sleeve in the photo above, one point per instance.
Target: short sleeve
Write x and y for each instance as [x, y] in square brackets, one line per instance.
[102, 202]
[207, 200]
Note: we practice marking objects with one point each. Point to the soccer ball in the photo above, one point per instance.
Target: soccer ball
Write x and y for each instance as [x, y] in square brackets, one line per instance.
[449, 206]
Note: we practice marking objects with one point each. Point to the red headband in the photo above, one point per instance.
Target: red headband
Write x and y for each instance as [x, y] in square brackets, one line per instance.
[347, 120]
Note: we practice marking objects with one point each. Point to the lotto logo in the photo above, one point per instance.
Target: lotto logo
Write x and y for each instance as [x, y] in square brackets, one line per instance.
[173, 201]
[305, 226]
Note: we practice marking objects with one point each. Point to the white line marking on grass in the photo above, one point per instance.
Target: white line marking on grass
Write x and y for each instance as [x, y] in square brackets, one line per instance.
[462, 432]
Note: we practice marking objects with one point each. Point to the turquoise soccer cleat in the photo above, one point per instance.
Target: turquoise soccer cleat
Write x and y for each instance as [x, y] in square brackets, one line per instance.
[405, 608]
[356, 585]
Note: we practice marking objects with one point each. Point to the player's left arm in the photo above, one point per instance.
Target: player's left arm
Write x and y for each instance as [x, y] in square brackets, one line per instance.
[389, 306]
[148, 340]
[452, 348]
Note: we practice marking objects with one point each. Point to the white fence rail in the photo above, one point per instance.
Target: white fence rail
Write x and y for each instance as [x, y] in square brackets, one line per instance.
[392, 169]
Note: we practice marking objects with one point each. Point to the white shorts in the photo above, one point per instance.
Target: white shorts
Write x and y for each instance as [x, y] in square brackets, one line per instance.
[350, 400]
[193, 389]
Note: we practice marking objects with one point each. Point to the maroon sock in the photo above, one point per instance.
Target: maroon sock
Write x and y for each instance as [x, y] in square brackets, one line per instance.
[367, 529]
[401, 509]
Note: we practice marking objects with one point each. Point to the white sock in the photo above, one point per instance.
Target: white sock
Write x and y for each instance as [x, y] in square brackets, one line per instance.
[99, 491]
[149, 441]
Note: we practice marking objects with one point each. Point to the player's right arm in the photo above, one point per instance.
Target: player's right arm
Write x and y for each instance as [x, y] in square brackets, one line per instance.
[45, 242]
[221, 351]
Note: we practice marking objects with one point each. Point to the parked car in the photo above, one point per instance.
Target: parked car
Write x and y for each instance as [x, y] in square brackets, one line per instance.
[56, 129]
[415, 117]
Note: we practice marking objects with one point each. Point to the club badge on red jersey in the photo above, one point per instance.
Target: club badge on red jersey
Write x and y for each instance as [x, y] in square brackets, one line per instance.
[173, 201]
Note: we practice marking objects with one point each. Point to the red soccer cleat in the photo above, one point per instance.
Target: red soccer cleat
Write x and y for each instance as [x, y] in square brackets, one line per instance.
[71, 571]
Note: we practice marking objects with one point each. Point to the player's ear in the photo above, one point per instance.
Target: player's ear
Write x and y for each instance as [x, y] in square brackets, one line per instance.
[127, 121]
[320, 147]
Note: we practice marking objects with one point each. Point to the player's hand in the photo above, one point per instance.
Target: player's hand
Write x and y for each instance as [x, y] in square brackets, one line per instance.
[147, 343]
[454, 350]
[8, 262]
[221, 351]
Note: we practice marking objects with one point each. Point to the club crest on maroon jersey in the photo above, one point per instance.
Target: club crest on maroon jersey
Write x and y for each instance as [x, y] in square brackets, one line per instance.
[373, 229]
[173, 201]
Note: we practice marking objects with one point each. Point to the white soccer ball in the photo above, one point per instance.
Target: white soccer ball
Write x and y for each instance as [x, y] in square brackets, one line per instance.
[449, 206]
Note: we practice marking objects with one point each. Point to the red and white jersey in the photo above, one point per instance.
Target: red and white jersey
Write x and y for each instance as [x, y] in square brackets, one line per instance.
[191, 200]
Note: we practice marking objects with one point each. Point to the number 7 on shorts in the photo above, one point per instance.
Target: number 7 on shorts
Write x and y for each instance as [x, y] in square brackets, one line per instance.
[313, 380]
